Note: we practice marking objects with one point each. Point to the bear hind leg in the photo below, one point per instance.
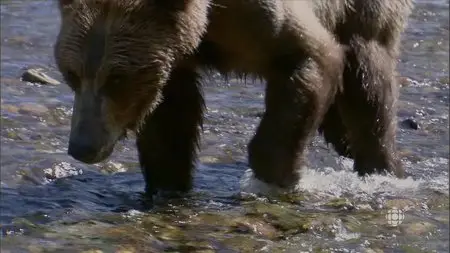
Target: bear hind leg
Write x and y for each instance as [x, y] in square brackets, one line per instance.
[368, 107]
[168, 141]
[295, 105]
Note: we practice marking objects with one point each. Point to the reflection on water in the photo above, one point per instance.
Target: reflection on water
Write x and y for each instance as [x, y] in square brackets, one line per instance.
[49, 201]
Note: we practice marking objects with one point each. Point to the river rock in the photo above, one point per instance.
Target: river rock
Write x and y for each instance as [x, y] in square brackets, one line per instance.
[10, 108]
[410, 123]
[33, 109]
[410, 155]
[403, 81]
[208, 159]
[418, 228]
[38, 76]
[255, 226]
[438, 202]
[363, 207]
[340, 203]
[9, 81]
[258, 114]
[242, 244]
[282, 218]
[403, 204]
[111, 167]
[444, 80]
[60, 170]
[35, 249]
[375, 250]
[126, 250]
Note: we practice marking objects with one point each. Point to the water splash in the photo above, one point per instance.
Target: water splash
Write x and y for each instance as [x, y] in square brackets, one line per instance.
[331, 182]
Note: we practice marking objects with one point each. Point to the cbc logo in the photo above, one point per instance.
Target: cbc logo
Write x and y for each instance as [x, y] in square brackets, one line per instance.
[395, 217]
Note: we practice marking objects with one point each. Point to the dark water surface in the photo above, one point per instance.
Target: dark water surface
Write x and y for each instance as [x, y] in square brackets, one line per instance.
[51, 203]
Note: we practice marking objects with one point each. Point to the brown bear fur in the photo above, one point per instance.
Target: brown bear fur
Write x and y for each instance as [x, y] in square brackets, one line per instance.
[329, 66]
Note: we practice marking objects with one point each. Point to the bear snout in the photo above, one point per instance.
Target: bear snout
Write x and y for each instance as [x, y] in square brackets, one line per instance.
[87, 151]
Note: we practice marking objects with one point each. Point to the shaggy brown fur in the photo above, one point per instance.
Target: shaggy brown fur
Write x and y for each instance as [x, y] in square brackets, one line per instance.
[133, 64]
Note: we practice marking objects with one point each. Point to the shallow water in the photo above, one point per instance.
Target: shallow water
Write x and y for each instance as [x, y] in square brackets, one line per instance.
[51, 203]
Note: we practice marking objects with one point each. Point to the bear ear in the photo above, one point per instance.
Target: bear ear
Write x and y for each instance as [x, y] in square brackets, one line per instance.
[172, 4]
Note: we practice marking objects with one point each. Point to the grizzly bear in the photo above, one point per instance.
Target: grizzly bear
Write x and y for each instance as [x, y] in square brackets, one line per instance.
[329, 66]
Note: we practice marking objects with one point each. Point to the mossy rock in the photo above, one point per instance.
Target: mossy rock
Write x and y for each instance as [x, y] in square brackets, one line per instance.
[439, 203]
[187, 247]
[36, 249]
[285, 219]
[10, 108]
[442, 218]
[212, 219]
[339, 203]
[365, 222]
[403, 204]
[12, 134]
[321, 250]
[412, 249]
[293, 198]
[233, 224]
[250, 225]
[8, 123]
[242, 244]
[126, 249]
[33, 109]
[417, 228]
[353, 223]
[28, 225]
[373, 250]
[124, 234]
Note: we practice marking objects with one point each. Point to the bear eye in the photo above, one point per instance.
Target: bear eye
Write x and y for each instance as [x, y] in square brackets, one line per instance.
[113, 84]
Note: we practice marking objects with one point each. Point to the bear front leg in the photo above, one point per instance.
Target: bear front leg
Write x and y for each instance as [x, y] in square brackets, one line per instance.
[334, 131]
[295, 105]
[168, 141]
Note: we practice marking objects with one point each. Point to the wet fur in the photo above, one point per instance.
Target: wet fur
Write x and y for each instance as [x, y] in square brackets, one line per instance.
[302, 49]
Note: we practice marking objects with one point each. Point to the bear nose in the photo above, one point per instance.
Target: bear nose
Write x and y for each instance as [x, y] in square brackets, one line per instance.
[82, 151]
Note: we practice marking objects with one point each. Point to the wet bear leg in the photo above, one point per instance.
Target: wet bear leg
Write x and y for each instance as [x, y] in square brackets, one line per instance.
[334, 132]
[368, 107]
[295, 104]
[168, 140]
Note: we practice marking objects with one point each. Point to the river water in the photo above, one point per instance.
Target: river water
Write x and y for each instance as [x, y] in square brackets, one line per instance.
[52, 203]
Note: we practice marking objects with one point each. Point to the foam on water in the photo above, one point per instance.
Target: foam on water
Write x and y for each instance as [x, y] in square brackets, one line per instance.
[330, 182]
